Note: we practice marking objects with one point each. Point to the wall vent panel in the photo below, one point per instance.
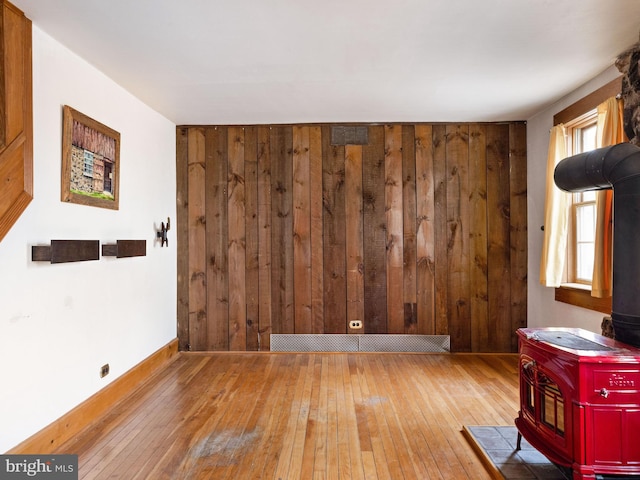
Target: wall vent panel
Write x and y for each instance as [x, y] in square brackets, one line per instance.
[359, 343]
[349, 135]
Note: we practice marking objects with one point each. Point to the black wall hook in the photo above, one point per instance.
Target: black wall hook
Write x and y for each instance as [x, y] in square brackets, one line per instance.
[162, 233]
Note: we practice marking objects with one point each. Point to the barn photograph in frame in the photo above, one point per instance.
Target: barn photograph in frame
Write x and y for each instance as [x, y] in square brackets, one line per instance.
[90, 161]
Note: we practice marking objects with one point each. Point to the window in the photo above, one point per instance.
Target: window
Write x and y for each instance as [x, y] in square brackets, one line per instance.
[88, 164]
[581, 137]
[575, 293]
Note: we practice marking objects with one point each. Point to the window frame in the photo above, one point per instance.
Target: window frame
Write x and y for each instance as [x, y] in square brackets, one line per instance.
[576, 294]
[573, 127]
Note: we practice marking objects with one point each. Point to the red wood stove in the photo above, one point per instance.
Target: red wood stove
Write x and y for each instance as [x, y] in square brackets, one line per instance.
[580, 401]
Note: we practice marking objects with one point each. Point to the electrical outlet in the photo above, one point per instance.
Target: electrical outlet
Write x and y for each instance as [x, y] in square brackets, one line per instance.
[104, 370]
[355, 324]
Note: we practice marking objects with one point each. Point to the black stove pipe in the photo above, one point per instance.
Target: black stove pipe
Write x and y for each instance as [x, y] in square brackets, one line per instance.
[616, 167]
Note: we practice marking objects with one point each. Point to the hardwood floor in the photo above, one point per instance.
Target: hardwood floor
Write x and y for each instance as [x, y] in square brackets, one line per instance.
[303, 416]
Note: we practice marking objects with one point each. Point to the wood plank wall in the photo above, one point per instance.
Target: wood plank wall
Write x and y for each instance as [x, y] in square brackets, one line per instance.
[420, 231]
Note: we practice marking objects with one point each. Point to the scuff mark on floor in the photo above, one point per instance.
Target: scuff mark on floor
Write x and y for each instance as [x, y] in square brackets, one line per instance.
[369, 402]
[225, 447]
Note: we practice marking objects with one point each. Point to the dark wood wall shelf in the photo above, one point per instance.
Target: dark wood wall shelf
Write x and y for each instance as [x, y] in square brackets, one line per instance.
[64, 251]
[125, 248]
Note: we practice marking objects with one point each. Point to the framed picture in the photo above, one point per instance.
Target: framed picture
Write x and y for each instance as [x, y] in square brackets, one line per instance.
[90, 161]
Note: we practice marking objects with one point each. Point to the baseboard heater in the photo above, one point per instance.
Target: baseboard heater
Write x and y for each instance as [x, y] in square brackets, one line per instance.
[359, 343]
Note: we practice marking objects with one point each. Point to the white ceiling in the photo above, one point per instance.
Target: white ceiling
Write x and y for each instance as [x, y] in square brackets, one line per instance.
[281, 61]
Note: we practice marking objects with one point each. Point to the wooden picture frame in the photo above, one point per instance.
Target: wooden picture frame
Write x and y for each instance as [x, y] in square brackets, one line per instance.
[90, 161]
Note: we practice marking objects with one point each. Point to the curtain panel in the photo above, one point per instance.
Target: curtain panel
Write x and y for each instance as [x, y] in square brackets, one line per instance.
[610, 131]
[556, 211]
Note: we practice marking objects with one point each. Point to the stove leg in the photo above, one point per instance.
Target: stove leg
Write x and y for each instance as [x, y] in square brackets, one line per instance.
[519, 442]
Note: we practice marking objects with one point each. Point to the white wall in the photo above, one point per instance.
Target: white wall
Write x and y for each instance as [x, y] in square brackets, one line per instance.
[543, 310]
[60, 323]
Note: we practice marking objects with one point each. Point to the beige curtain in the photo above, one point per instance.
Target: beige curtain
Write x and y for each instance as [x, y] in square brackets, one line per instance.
[556, 210]
[610, 131]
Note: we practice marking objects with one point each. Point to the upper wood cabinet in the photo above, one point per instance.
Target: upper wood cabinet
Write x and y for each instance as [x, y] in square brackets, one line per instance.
[16, 116]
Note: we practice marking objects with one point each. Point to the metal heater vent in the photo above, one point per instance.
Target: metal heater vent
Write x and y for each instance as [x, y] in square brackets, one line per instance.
[349, 135]
[359, 343]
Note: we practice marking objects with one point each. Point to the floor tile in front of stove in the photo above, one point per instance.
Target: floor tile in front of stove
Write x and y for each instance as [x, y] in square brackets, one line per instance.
[499, 446]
